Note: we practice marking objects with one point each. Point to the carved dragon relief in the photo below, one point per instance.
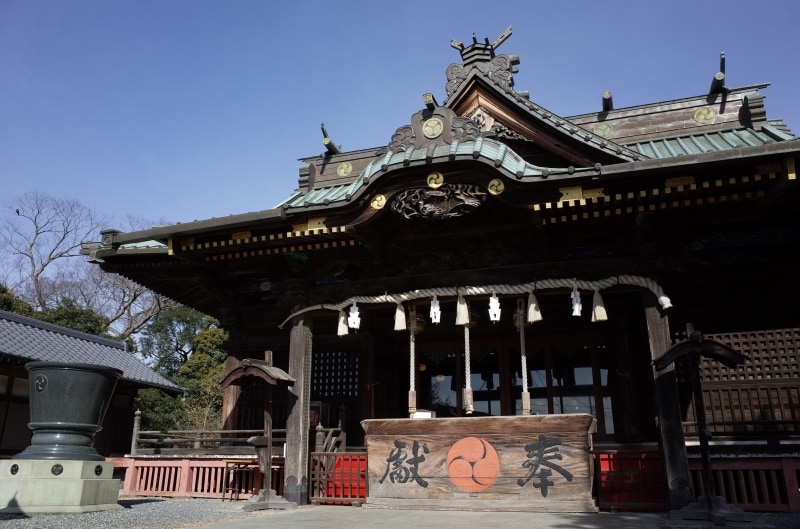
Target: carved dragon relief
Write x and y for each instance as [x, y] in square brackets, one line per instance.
[448, 201]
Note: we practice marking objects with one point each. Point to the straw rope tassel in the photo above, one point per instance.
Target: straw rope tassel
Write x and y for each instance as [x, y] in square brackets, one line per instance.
[598, 308]
[534, 314]
[343, 329]
[462, 311]
[400, 318]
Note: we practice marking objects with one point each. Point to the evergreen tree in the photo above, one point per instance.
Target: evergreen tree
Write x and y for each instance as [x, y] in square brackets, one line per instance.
[11, 303]
[68, 314]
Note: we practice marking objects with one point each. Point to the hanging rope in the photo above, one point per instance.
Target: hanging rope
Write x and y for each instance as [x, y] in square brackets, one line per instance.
[467, 373]
[526, 288]
[412, 392]
[526, 396]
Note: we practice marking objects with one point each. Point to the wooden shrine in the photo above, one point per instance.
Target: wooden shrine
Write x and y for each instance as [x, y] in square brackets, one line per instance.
[495, 262]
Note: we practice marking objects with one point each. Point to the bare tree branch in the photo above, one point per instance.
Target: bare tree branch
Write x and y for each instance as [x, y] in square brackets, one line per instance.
[41, 238]
[41, 233]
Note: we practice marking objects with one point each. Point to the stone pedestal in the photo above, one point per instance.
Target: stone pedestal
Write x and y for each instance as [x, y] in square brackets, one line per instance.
[65, 486]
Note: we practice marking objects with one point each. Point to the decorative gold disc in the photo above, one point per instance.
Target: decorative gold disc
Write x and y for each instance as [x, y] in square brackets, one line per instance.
[432, 128]
[496, 186]
[344, 169]
[378, 201]
[704, 115]
[435, 180]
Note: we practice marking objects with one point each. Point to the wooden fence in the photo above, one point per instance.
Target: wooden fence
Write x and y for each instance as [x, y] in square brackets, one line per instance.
[630, 480]
[753, 484]
[188, 463]
[190, 477]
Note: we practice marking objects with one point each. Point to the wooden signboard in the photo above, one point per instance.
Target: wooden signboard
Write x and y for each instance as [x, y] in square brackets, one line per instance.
[537, 463]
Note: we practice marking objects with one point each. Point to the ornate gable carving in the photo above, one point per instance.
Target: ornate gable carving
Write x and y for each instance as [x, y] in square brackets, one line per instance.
[438, 125]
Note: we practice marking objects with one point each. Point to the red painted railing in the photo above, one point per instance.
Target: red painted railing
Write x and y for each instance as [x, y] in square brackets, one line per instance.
[753, 484]
[189, 477]
[629, 480]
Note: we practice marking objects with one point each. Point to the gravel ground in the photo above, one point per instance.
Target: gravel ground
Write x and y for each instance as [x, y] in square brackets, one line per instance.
[140, 513]
[162, 513]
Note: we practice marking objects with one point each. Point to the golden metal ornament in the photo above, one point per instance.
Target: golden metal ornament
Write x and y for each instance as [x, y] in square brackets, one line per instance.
[496, 186]
[344, 169]
[432, 128]
[435, 180]
[378, 201]
[704, 115]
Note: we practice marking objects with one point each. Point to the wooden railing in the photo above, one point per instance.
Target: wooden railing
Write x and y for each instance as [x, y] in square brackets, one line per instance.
[190, 477]
[753, 484]
[634, 480]
[198, 442]
[191, 463]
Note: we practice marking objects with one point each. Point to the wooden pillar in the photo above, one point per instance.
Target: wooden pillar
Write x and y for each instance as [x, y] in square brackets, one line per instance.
[295, 486]
[668, 409]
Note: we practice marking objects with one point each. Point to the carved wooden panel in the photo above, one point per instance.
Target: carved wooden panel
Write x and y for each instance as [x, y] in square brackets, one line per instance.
[535, 463]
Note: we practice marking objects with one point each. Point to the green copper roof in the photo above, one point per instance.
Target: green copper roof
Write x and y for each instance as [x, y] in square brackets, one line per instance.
[486, 150]
[721, 140]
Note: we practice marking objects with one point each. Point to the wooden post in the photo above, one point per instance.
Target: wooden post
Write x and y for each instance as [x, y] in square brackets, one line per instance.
[668, 408]
[700, 414]
[319, 438]
[295, 488]
[137, 425]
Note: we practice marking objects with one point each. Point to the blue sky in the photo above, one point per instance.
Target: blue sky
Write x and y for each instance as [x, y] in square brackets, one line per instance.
[180, 110]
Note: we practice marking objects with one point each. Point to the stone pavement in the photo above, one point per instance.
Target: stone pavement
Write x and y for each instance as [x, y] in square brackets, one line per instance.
[347, 517]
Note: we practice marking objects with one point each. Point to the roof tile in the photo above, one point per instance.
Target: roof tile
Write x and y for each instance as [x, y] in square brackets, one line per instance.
[29, 339]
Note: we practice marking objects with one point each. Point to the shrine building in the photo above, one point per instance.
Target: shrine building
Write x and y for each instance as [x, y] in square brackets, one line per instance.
[490, 258]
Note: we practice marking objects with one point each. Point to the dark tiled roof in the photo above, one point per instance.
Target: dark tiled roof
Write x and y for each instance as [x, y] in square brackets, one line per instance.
[30, 339]
[699, 143]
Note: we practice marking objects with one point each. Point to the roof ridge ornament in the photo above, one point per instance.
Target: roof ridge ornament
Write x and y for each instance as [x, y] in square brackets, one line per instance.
[718, 81]
[479, 52]
[331, 147]
[499, 69]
